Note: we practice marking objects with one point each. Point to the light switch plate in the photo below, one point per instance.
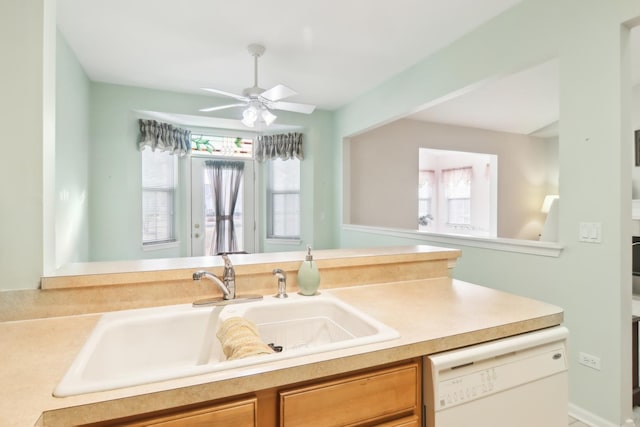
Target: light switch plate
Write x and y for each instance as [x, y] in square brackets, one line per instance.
[590, 232]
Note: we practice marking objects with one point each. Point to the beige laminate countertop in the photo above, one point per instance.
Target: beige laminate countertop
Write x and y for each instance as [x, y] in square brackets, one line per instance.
[430, 315]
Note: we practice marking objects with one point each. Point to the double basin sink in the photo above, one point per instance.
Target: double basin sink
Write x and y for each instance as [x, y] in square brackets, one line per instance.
[133, 347]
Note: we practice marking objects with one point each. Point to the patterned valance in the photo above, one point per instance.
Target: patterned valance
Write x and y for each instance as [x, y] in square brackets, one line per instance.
[164, 137]
[282, 146]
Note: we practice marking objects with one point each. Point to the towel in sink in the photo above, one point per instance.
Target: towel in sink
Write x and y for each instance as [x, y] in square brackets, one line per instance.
[239, 338]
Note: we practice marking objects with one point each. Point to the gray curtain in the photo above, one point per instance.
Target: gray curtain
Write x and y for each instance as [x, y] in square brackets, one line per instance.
[282, 146]
[225, 178]
[164, 137]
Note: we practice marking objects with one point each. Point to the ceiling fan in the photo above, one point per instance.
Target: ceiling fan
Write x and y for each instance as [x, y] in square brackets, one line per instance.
[257, 101]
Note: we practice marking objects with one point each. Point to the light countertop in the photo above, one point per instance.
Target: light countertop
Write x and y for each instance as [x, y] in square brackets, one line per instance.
[431, 315]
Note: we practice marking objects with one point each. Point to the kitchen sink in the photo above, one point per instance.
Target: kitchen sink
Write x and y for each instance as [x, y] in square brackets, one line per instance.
[140, 346]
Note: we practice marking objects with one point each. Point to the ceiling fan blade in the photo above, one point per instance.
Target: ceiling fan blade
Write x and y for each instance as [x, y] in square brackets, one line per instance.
[278, 92]
[222, 107]
[229, 94]
[293, 106]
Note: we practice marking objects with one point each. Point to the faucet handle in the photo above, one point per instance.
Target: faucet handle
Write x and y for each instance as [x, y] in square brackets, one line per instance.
[282, 283]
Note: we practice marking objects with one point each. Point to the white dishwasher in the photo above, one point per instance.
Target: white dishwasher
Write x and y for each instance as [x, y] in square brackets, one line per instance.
[516, 381]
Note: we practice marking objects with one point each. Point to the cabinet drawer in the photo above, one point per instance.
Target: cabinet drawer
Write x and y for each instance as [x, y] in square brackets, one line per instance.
[240, 413]
[381, 395]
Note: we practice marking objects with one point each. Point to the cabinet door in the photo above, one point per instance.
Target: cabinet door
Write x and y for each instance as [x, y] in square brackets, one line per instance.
[240, 413]
[377, 396]
[413, 421]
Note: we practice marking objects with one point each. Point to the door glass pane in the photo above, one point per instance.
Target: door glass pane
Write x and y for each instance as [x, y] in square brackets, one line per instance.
[210, 215]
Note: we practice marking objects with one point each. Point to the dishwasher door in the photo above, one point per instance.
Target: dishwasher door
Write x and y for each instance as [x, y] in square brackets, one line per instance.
[517, 381]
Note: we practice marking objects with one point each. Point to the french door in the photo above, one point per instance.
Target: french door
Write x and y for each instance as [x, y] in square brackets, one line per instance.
[203, 215]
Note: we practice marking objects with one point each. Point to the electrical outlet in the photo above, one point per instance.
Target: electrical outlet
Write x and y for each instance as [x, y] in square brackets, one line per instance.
[589, 360]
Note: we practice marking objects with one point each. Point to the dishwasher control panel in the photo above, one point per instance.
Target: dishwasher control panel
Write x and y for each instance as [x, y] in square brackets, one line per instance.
[459, 390]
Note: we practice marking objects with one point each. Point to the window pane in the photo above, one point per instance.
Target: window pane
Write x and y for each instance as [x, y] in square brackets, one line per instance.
[286, 215]
[459, 211]
[285, 175]
[222, 146]
[157, 221]
[158, 169]
[457, 182]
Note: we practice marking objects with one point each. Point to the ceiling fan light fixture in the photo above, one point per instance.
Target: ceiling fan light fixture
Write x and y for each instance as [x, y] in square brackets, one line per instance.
[249, 116]
[268, 117]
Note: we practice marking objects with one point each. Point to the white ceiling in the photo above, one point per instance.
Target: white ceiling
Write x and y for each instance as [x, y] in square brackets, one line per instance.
[524, 103]
[329, 51]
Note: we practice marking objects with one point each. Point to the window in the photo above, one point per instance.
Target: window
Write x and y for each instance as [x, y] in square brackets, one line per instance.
[457, 188]
[159, 178]
[225, 146]
[457, 192]
[283, 199]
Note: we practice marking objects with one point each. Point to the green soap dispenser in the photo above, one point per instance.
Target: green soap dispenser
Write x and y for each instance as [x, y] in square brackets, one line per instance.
[308, 275]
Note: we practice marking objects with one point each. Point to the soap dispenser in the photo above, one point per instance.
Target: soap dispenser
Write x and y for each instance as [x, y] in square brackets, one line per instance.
[308, 275]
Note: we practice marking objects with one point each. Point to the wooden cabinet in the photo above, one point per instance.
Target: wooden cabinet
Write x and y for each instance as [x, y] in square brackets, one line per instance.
[389, 397]
[238, 413]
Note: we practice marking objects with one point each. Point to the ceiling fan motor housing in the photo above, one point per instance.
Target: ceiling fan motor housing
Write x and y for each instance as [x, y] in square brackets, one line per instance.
[252, 92]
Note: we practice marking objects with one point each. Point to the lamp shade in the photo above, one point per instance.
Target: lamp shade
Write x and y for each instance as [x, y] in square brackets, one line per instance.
[249, 116]
[546, 204]
[268, 116]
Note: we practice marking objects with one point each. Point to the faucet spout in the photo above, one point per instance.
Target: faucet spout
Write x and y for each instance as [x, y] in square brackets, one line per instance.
[198, 275]
[228, 283]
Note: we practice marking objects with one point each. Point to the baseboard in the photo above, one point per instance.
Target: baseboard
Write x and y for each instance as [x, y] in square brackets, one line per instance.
[593, 420]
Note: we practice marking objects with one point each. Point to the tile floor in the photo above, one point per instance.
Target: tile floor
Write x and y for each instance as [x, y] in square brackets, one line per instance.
[575, 423]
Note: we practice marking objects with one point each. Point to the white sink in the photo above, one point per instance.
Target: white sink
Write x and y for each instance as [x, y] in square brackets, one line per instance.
[141, 346]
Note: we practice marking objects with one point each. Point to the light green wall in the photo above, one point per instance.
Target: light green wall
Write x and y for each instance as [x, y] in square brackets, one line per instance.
[72, 157]
[116, 174]
[22, 118]
[592, 282]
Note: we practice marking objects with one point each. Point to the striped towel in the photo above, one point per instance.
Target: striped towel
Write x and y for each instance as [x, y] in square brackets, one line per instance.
[239, 338]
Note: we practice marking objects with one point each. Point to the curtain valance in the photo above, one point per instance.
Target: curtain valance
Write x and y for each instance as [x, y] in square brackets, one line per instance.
[164, 137]
[281, 146]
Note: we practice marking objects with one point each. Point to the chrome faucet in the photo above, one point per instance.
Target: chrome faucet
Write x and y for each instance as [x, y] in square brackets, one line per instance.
[228, 283]
[282, 283]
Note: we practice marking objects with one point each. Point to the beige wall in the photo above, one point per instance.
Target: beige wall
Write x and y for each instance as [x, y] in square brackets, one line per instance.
[383, 173]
